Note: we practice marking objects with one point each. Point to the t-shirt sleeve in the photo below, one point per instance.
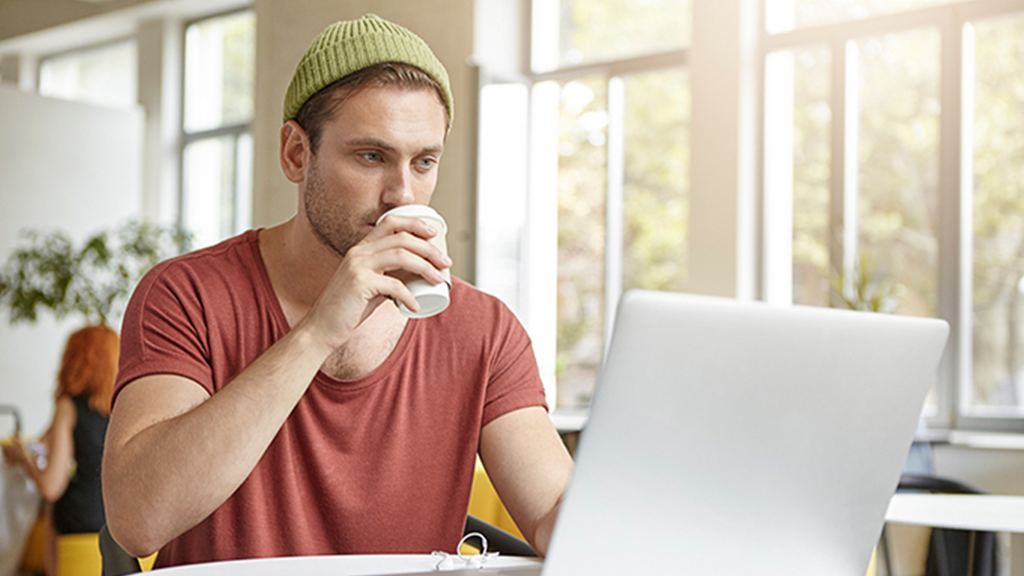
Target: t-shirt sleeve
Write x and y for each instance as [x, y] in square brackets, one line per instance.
[164, 330]
[514, 380]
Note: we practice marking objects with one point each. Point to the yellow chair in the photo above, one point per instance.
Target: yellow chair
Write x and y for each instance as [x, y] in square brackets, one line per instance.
[33, 560]
[78, 555]
[873, 564]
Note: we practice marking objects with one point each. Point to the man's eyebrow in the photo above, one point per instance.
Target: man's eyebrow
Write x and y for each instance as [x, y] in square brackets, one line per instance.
[377, 143]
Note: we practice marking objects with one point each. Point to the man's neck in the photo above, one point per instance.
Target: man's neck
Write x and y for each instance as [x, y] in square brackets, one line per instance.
[299, 265]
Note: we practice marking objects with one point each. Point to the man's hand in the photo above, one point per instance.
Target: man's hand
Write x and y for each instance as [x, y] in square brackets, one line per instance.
[367, 277]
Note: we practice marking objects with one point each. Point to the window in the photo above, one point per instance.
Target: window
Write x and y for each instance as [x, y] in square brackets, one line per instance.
[996, 152]
[572, 32]
[104, 75]
[216, 187]
[604, 206]
[893, 178]
[897, 169]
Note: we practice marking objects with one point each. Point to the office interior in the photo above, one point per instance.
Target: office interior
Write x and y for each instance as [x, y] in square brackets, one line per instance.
[864, 154]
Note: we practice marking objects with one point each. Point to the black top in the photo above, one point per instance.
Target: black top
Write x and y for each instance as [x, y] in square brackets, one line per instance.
[80, 509]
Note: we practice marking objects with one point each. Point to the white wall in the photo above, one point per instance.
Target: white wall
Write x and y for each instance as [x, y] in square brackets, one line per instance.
[62, 165]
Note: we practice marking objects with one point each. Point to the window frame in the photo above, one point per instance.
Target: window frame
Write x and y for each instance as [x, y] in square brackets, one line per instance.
[236, 130]
[951, 21]
[613, 72]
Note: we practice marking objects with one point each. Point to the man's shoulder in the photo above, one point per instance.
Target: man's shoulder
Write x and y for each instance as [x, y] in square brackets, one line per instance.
[469, 298]
[218, 255]
[474, 313]
[227, 256]
[224, 266]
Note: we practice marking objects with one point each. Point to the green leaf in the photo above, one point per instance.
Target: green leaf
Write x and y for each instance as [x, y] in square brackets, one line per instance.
[48, 273]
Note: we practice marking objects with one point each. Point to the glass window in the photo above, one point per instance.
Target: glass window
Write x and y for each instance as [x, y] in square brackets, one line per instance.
[898, 169]
[651, 112]
[219, 68]
[583, 131]
[784, 15]
[502, 189]
[998, 217]
[216, 182]
[798, 117]
[588, 31]
[656, 176]
[104, 75]
[892, 137]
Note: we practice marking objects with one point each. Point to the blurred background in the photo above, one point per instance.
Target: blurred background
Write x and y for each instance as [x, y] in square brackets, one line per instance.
[855, 153]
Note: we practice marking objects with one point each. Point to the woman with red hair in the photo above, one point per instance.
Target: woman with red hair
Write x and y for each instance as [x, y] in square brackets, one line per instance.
[70, 478]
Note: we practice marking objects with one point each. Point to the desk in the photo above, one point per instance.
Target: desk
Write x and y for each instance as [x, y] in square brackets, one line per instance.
[964, 511]
[354, 565]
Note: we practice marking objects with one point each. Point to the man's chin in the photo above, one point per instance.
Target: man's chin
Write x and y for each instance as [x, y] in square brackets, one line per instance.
[338, 248]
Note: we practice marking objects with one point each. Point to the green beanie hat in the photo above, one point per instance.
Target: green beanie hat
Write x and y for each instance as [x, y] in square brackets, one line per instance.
[349, 46]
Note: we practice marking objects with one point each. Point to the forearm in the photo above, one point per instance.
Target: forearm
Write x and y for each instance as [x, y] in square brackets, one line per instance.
[171, 475]
[28, 463]
[50, 481]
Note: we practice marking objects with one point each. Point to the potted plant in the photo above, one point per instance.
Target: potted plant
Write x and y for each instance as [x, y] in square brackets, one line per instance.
[864, 291]
[50, 273]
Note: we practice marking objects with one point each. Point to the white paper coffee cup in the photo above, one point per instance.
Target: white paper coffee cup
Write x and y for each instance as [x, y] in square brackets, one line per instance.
[432, 298]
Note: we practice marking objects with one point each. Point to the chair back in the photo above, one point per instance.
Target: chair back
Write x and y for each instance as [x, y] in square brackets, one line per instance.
[499, 540]
[116, 561]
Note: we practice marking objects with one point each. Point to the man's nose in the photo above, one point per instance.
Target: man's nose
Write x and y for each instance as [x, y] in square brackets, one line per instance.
[398, 187]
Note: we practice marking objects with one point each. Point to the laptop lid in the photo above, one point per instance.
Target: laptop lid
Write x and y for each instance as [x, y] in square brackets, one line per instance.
[743, 438]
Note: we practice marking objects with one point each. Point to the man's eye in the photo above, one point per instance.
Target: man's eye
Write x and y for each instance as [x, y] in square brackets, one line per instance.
[371, 156]
[427, 163]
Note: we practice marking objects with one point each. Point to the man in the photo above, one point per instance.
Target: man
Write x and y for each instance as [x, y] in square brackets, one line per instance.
[272, 400]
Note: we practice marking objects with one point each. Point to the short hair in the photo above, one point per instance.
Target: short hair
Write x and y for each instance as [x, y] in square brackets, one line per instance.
[316, 111]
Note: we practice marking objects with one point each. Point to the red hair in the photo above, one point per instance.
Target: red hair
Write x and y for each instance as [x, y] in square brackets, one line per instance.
[89, 366]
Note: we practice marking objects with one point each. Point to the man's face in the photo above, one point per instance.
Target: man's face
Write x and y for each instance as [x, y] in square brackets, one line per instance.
[380, 149]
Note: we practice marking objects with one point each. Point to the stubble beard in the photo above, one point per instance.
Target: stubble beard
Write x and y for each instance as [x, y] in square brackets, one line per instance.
[332, 223]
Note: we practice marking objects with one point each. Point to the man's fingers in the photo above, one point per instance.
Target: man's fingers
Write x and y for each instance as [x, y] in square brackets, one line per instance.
[395, 224]
[394, 289]
[398, 259]
[410, 243]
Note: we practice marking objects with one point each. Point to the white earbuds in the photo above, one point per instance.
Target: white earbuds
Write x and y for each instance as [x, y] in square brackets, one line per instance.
[457, 561]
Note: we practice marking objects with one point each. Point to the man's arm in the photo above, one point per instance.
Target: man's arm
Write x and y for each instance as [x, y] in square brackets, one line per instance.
[174, 454]
[530, 468]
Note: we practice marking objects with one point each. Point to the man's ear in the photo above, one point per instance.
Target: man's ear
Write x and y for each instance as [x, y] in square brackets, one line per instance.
[295, 151]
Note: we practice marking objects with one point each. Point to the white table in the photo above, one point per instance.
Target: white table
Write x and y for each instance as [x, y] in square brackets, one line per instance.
[353, 565]
[964, 511]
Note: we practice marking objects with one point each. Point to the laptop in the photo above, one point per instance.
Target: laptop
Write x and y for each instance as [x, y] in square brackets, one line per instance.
[742, 438]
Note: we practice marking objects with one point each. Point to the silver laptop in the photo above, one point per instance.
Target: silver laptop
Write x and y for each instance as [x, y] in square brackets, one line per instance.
[741, 438]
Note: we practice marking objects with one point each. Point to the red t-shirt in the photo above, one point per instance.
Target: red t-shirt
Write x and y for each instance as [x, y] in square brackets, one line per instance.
[382, 464]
